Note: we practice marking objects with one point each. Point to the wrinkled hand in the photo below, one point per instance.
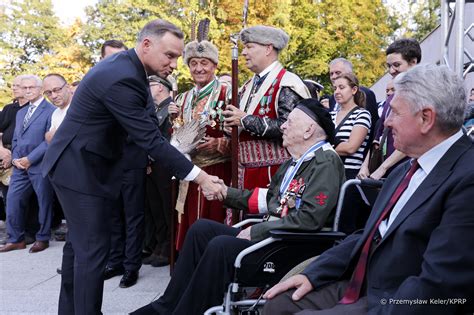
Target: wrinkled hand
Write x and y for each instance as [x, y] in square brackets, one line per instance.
[211, 186]
[232, 116]
[23, 163]
[245, 234]
[6, 157]
[209, 145]
[173, 110]
[300, 282]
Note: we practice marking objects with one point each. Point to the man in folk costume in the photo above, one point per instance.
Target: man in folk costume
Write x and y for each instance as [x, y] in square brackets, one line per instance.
[203, 103]
[265, 102]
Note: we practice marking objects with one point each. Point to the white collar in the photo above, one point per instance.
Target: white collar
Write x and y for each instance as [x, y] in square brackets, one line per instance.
[36, 104]
[430, 158]
[268, 69]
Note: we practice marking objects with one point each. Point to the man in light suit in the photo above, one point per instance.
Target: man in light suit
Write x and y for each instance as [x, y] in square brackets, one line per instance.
[415, 255]
[83, 159]
[28, 148]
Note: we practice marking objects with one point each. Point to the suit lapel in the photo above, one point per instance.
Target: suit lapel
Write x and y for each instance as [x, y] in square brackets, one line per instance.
[432, 182]
[35, 115]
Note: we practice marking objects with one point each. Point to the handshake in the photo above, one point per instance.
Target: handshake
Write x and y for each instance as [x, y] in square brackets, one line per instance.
[212, 187]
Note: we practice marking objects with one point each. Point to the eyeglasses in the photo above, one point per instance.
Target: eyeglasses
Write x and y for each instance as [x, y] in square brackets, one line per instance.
[55, 90]
[29, 87]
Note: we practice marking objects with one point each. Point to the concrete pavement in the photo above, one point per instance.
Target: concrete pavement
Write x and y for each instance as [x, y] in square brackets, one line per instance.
[29, 284]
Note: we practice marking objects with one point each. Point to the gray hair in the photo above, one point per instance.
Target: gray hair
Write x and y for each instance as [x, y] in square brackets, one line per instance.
[344, 61]
[437, 86]
[36, 78]
[157, 28]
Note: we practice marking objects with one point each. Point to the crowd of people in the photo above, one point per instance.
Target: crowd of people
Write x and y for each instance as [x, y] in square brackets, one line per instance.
[100, 158]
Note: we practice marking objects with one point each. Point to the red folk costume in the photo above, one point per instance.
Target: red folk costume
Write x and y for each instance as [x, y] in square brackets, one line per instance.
[268, 104]
[205, 105]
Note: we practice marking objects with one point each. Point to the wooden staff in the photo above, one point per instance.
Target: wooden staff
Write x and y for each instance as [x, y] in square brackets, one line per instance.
[174, 193]
[235, 133]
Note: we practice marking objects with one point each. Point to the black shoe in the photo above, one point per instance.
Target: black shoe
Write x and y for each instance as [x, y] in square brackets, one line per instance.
[129, 279]
[58, 270]
[160, 261]
[111, 272]
[145, 310]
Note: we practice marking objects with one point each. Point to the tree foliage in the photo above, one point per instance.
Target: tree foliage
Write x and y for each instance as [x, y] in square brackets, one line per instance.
[34, 41]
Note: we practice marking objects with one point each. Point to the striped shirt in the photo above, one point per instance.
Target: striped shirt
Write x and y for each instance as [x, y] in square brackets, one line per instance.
[359, 117]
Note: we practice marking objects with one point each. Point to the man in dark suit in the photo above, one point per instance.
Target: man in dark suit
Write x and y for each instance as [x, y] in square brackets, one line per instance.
[28, 148]
[84, 158]
[415, 255]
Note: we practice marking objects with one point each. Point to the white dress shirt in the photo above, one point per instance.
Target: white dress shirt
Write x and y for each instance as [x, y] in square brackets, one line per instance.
[427, 162]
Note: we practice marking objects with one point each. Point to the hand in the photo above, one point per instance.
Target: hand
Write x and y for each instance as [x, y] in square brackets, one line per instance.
[4, 152]
[211, 186]
[23, 163]
[233, 115]
[148, 170]
[379, 173]
[48, 136]
[7, 161]
[363, 172]
[300, 282]
[173, 110]
[245, 234]
[208, 146]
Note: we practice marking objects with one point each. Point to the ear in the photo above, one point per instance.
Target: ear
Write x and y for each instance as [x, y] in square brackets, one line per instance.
[310, 130]
[268, 50]
[354, 90]
[146, 44]
[428, 119]
[413, 62]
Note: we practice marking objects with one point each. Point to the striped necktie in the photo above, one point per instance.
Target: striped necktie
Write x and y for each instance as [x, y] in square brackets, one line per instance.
[28, 115]
[353, 291]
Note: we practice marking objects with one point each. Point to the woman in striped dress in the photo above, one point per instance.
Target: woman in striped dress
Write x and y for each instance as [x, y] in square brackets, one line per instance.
[353, 125]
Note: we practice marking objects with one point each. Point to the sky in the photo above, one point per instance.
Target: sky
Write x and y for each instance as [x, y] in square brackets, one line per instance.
[67, 11]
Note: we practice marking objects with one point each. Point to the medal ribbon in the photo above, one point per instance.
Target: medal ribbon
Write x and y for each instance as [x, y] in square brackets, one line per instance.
[291, 171]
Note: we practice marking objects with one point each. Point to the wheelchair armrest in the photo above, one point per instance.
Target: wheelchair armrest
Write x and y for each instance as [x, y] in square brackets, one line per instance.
[250, 220]
[306, 236]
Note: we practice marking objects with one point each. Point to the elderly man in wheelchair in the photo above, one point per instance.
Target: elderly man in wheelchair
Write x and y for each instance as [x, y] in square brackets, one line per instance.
[302, 196]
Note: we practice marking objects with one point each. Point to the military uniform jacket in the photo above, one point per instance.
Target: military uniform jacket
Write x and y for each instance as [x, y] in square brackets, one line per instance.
[315, 199]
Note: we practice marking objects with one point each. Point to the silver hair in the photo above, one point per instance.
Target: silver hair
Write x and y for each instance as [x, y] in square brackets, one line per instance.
[344, 61]
[437, 86]
[157, 28]
[36, 78]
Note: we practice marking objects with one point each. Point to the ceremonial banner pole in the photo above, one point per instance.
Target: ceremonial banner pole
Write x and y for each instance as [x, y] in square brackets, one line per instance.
[235, 102]
[174, 194]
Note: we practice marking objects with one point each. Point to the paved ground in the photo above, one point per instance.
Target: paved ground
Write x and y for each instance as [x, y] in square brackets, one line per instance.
[29, 284]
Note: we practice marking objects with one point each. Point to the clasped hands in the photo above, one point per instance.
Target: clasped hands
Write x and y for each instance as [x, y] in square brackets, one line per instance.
[212, 187]
[22, 163]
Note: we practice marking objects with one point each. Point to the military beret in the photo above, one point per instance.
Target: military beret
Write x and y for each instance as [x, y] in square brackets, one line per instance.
[165, 82]
[265, 35]
[202, 49]
[313, 108]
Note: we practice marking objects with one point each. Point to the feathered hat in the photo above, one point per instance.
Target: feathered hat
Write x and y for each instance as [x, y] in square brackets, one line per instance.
[201, 47]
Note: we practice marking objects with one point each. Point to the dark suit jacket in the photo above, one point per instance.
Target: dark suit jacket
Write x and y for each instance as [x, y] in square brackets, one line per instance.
[110, 103]
[30, 141]
[427, 252]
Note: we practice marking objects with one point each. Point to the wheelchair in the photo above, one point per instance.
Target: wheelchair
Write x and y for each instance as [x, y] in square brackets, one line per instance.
[264, 264]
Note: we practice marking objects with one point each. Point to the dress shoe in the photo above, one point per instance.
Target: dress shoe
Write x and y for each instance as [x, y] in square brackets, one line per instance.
[12, 246]
[160, 261]
[111, 272]
[39, 246]
[129, 279]
[59, 270]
